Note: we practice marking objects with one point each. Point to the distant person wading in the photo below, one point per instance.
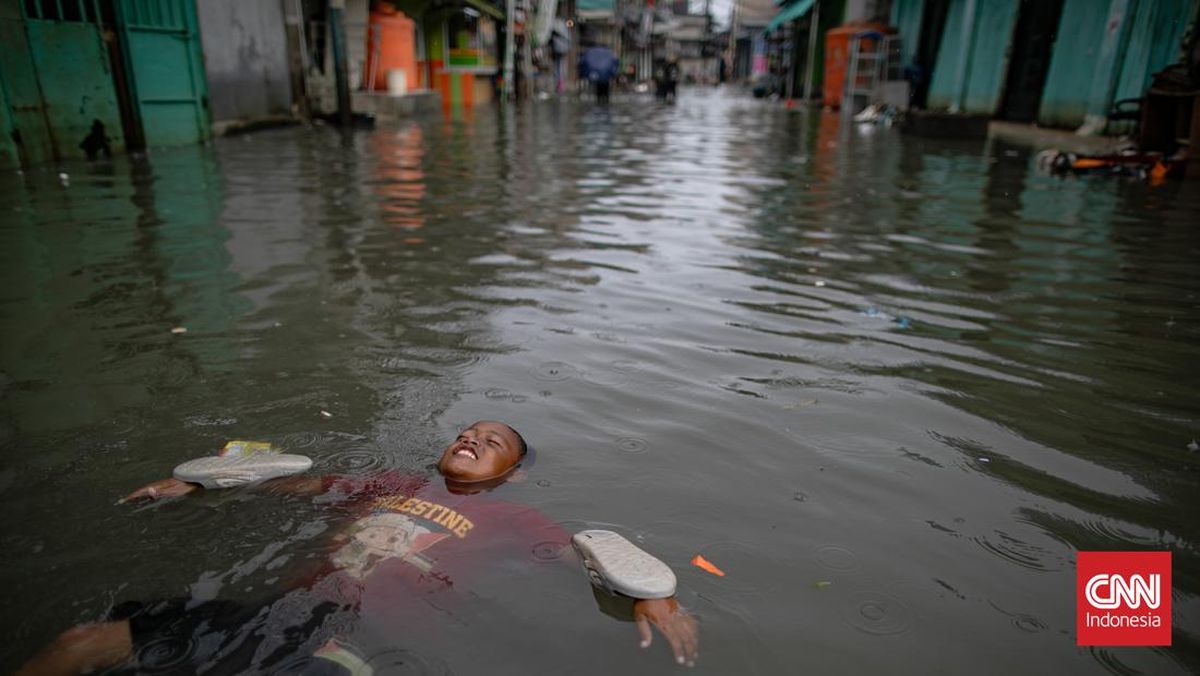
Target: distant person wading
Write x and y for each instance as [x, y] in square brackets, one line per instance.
[599, 66]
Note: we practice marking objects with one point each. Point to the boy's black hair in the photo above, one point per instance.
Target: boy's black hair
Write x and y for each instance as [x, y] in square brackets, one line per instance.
[524, 446]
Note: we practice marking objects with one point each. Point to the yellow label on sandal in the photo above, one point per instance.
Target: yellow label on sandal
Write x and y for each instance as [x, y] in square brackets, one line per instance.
[245, 449]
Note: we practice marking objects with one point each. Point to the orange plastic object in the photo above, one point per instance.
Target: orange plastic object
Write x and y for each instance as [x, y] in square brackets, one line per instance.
[837, 57]
[396, 48]
[1158, 174]
[707, 566]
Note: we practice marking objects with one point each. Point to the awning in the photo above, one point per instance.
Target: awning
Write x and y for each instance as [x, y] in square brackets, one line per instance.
[594, 9]
[790, 12]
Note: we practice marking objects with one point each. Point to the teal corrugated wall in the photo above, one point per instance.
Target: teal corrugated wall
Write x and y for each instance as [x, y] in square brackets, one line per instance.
[1068, 87]
[994, 21]
[1158, 26]
[941, 87]
[1153, 42]
[990, 37]
[906, 17]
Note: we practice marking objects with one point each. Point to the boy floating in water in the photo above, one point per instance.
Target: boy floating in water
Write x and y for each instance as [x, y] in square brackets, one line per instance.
[409, 543]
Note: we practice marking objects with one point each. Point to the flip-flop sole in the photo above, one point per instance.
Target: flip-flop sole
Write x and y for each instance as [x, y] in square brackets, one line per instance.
[618, 565]
[226, 472]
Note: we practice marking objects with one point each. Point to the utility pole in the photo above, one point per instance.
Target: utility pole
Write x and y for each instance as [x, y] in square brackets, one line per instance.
[706, 47]
[509, 45]
[814, 32]
[731, 48]
[527, 53]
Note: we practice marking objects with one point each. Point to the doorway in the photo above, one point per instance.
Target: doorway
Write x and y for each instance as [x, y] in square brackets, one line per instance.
[1033, 43]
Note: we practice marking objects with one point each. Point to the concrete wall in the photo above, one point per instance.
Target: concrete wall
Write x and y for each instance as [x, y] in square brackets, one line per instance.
[246, 58]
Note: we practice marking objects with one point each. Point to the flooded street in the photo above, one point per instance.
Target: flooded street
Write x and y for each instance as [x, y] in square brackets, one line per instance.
[889, 385]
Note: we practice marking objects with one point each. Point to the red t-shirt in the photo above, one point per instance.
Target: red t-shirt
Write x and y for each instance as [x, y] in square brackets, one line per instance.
[410, 536]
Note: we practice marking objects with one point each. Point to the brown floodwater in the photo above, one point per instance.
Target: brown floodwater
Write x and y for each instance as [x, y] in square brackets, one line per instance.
[890, 386]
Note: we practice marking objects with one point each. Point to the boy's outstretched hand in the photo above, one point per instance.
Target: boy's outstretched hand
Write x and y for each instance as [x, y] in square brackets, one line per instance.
[163, 488]
[675, 624]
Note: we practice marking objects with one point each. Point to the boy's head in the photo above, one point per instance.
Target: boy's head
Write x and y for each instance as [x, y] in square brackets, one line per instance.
[484, 452]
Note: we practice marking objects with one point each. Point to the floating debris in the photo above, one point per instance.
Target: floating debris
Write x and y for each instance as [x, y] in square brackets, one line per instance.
[707, 566]
[802, 403]
[822, 584]
[179, 329]
[984, 460]
[1193, 446]
[326, 414]
[820, 283]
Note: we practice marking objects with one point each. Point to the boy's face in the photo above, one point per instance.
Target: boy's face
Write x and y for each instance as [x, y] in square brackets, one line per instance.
[483, 451]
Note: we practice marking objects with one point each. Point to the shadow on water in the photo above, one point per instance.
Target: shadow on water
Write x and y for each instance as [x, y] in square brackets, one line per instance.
[889, 385]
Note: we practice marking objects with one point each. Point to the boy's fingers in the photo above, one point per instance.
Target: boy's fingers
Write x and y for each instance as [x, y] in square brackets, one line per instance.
[676, 642]
[643, 626]
[690, 642]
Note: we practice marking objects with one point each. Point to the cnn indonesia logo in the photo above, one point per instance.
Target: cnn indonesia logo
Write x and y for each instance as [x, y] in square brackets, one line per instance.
[1123, 598]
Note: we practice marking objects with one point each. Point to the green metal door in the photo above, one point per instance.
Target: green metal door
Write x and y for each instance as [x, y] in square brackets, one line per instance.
[161, 44]
[57, 80]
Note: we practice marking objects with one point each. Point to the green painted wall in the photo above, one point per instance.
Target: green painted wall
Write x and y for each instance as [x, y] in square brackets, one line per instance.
[906, 17]
[9, 157]
[1154, 37]
[24, 96]
[166, 68]
[1082, 74]
[435, 47]
[990, 35]
[56, 80]
[76, 83]
[1077, 51]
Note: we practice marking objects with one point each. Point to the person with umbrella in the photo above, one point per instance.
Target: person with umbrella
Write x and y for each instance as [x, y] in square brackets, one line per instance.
[599, 66]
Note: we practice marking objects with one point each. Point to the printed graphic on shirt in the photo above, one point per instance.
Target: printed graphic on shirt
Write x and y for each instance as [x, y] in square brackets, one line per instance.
[380, 537]
[400, 528]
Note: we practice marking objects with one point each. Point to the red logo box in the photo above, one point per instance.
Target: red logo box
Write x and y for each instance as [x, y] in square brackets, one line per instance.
[1123, 598]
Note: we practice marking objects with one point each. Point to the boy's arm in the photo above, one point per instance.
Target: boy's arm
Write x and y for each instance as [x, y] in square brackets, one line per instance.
[619, 569]
[163, 488]
[673, 622]
[172, 487]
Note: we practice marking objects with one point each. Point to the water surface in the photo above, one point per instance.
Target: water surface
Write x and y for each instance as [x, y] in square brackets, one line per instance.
[889, 385]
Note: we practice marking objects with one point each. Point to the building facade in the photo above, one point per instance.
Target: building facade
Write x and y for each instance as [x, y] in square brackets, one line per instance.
[1057, 63]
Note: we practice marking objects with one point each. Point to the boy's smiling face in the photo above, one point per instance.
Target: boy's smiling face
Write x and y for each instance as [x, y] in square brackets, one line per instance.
[486, 450]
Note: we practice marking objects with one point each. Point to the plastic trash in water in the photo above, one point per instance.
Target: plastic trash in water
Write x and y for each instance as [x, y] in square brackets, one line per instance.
[243, 449]
[902, 322]
[707, 566]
